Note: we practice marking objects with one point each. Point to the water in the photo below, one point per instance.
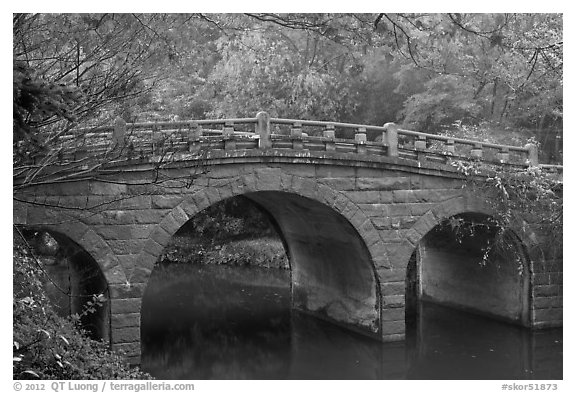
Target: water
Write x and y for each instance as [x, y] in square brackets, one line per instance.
[215, 322]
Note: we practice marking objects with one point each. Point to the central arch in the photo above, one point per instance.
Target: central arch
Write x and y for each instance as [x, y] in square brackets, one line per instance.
[327, 237]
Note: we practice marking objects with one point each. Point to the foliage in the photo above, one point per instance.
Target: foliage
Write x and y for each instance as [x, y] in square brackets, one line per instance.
[266, 252]
[522, 200]
[46, 346]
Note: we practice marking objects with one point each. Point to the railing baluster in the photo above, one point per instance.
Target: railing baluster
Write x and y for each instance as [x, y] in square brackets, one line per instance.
[477, 151]
[157, 139]
[360, 140]
[194, 135]
[449, 146]
[119, 132]
[503, 155]
[228, 136]
[296, 136]
[420, 147]
[532, 159]
[329, 133]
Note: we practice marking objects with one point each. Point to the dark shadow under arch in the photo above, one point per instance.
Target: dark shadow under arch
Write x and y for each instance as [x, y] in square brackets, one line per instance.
[72, 278]
[467, 263]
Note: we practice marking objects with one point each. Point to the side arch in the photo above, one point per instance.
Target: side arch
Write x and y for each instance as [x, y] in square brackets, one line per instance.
[509, 294]
[58, 220]
[460, 205]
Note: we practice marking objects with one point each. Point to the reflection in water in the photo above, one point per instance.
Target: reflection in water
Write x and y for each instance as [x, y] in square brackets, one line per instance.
[214, 322]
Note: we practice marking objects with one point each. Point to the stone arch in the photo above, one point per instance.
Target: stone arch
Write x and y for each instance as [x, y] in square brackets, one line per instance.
[74, 268]
[459, 205]
[261, 181]
[468, 204]
[80, 233]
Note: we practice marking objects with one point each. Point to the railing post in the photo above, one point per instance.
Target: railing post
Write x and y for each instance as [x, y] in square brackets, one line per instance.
[296, 136]
[476, 151]
[194, 135]
[503, 155]
[532, 154]
[449, 146]
[119, 133]
[157, 140]
[360, 140]
[420, 147]
[329, 133]
[228, 136]
[390, 138]
[263, 129]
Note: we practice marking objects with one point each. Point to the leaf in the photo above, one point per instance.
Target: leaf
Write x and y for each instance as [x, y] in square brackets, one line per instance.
[31, 373]
[45, 332]
[64, 339]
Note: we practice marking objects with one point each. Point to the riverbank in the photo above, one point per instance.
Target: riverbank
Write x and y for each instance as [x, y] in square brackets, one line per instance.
[265, 252]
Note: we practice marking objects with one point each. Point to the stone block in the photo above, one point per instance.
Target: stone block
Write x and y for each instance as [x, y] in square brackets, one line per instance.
[547, 290]
[125, 306]
[268, 179]
[106, 261]
[189, 206]
[115, 275]
[127, 290]
[326, 194]
[153, 248]
[393, 338]
[381, 222]
[364, 197]
[305, 187]
[393, 314]
[390, 274]
[548, 302]
[161, 236]
[548, 314]
[137, 202]
[393, 288]
[391, 235]
[141, 272]
[339, 183]
[370, 235]
[125, 335]
[127, 261]
[173, 221]
[392, 327]
[425, 223]
[375, 209]
[101, 188]
[335, 171]
[124, 232]
[393, 301]
[405, 196]
[382, 183]
[125, 320]
[165, 201]
[386, 196]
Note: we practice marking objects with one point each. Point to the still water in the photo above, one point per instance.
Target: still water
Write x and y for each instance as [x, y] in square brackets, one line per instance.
[216, 322]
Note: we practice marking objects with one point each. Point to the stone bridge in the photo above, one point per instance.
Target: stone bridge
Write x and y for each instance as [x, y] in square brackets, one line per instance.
[359, 208]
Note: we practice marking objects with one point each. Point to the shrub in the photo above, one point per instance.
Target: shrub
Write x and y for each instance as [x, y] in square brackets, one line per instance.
[47, 346]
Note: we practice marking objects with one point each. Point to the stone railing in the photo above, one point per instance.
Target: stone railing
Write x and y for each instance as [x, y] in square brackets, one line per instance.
[144, 140]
